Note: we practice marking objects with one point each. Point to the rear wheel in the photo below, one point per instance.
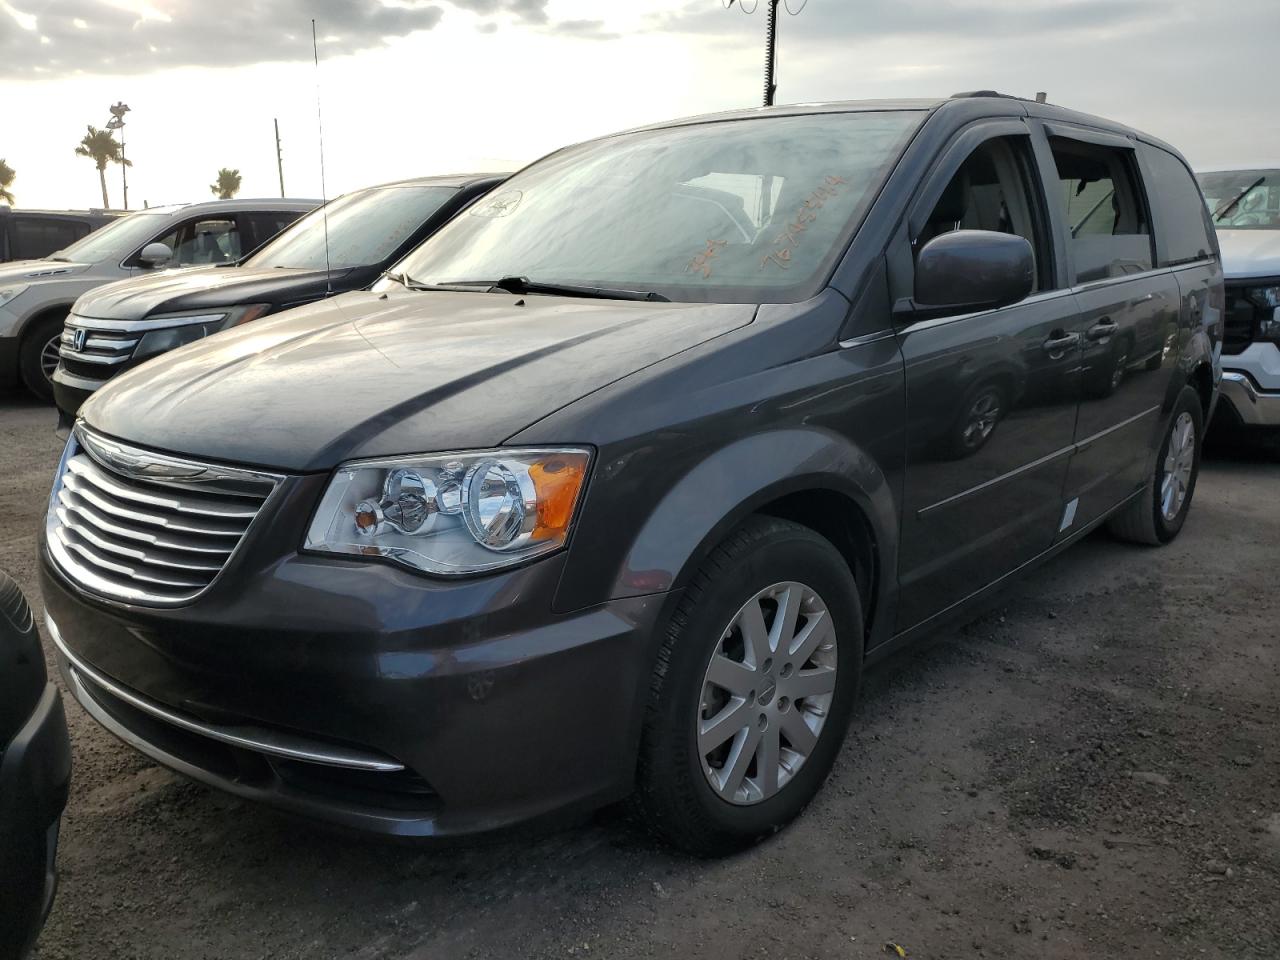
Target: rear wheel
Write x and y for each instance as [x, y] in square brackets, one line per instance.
[1158, 515]
[38, 355]
[751, 695]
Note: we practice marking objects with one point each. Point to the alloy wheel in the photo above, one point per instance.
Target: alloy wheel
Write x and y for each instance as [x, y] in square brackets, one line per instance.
[49, 356]
[766, 693]
[1179, 461]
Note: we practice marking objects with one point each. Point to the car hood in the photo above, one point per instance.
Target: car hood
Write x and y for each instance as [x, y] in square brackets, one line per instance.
[1250, 253]
[26, 271]
[376, 374]
[169, 291]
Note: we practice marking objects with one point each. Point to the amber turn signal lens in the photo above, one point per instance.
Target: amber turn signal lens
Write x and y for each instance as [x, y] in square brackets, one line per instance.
[557, 481]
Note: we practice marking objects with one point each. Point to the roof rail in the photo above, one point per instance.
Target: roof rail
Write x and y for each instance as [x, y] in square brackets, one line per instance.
[969, 94]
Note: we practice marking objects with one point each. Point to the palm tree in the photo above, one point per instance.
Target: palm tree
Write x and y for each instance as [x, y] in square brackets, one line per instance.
[7, 173]
[228, 184]
[101, 147]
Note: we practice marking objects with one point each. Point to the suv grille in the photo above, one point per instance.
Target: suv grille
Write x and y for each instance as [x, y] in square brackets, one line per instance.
[94, 353]
[1238, 332]
[139, 526]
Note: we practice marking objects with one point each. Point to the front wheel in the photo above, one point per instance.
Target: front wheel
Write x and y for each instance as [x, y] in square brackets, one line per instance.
[38, 356]
[1158, 515]
[751, 695]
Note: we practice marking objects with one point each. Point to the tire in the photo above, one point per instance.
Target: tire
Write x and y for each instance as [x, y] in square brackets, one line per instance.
[675, 792]
[1147, 520]
[980, 413]
[33, 357]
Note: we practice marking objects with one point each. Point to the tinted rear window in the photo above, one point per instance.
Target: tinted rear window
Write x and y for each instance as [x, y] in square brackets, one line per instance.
[1182, 222]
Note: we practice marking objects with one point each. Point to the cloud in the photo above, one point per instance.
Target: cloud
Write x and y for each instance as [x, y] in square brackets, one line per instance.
[588, 29]
[45, 38]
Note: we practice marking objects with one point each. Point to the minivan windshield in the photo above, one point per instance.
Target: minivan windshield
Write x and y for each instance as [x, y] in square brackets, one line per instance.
[1243, 199]
[364, 228]
[739, 211]
[116, 240]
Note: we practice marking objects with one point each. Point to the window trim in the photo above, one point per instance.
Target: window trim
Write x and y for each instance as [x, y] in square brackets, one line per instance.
[1094, 138]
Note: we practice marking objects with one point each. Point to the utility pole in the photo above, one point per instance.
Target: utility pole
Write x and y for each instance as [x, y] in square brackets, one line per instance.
[770, 42]
[279, 156]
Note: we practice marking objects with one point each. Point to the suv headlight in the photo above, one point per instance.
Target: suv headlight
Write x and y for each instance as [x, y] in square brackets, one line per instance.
[12, 292]
[452, 513]
[1266, 300]
[183, 328]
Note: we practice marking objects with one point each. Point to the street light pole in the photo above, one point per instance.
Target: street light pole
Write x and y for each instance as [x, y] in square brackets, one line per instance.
[770, 43]
[117, 123]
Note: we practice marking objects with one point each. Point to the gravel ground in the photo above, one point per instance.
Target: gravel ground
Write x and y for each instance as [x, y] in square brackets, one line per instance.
[1091, 769]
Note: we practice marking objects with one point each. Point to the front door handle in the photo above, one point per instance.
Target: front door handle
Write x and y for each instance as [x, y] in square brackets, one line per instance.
[1056, 345]
[1102, 329]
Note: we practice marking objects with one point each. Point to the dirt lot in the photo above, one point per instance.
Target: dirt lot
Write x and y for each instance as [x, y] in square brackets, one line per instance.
[1091, 770]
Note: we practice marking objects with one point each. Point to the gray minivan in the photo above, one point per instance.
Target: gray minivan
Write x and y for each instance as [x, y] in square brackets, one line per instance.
[618, 482]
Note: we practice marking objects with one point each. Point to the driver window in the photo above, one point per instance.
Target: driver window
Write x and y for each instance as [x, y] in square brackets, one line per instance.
[203, 242]
[992, 191]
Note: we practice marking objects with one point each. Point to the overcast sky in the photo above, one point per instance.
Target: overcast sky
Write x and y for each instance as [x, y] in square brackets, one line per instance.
[411, 87]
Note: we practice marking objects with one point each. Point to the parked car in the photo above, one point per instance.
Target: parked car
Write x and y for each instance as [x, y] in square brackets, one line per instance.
[34, 234]
[1245, 205]
[35, 774]
[36, 295]
[345, 246]
[615, 484]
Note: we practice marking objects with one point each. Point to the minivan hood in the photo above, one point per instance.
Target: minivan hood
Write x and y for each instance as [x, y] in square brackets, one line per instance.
[171, 291]
[1250, 253]
[26, 271]
[378, 374]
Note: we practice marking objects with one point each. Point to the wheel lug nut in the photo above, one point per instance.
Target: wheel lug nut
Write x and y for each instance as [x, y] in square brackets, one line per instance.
[786, 670]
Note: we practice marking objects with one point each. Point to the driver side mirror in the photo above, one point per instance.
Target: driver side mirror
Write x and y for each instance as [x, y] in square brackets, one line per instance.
[969, 270]
[155, 255]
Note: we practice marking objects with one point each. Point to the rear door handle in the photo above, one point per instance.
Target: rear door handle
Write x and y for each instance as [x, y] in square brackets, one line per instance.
[1102, 329]
[1056, 345]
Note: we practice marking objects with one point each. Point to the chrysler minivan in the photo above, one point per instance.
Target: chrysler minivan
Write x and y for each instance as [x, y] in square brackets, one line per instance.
[619, 482]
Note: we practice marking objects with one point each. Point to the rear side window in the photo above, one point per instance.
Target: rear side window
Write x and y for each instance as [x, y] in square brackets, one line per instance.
[201, 242]
[31, 238]
[1182, 221]
[1105, 212]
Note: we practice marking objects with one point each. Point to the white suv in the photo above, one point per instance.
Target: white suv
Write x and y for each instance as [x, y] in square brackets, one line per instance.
[1244, 203]
[36, 295]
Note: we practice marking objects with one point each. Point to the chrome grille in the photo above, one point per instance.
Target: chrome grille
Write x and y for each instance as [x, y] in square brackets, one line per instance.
[81, 344]
[144, 527]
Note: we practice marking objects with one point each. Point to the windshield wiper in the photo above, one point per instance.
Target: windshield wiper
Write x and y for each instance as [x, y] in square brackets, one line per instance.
[1223, 210]
[520, 285]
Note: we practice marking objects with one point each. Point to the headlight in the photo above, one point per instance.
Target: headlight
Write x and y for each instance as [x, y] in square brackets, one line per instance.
[453, 513]
[183, 328]
[1267, 302]
[11, 292]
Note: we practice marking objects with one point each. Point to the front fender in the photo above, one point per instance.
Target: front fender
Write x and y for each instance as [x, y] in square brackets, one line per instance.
[740, 478]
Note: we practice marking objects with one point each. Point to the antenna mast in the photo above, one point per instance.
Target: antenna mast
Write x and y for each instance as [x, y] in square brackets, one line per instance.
[324, 200]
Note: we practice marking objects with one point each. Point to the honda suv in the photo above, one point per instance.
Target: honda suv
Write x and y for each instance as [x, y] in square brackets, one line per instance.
[620, 481]
[36, 295]
[344, 246]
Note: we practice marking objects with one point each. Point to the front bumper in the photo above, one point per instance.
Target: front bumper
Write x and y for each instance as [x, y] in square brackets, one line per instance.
[363, 695]
[1252, 406]
[35, 775]
[8, 361]
[70, 391]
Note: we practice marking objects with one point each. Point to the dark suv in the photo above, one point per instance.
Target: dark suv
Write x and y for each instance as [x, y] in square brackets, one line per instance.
[343, 246]
[637, 463]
